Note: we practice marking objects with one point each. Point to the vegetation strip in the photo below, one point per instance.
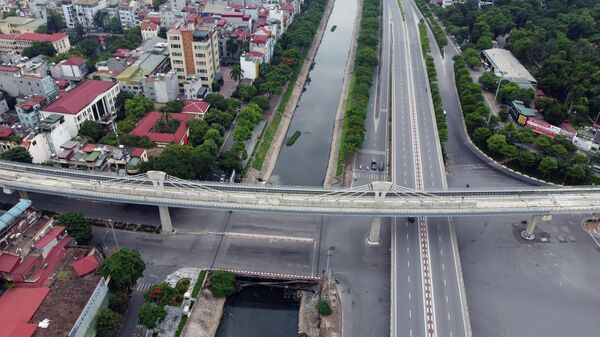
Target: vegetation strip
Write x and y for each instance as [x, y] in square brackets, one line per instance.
[353, 129]
[293, 138]
[198, 284]
[440, 118]
[293, 46]
[438, 32]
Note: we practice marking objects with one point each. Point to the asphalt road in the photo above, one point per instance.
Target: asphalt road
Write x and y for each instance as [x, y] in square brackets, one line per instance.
[415, 143]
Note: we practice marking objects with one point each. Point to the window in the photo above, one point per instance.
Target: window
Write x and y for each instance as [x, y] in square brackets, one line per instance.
[175, 46]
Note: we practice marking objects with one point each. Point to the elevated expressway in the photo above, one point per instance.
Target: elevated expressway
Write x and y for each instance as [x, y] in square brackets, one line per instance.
[376, 199]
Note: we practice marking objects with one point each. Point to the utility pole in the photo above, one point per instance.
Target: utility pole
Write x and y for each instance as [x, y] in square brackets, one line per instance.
[502, 73]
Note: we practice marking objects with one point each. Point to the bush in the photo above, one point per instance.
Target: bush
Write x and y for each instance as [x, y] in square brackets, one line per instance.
[183, 285]
[222, 283]
[108, 323]
[162, 294]
[323, 308]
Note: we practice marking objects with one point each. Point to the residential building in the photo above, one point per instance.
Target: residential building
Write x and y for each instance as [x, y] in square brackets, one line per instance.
[145, 127]
[16, 84]
[193, 88]
[16, 43]
[91, 100]
[44, 142]
[3, 104]
[28, 111]
[128, 15]
[153, 61]
[250, 64]
[69, 14]
[39, 9]
[194, 51]
[263, 41]
[36, 66]
[161, 88]
[504, 64]
[73, 69]
[86, 10]
[149, 29]
[20, 25]
[6, 141]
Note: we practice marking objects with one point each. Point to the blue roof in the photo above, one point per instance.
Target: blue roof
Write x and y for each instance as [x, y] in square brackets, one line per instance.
[13, 213]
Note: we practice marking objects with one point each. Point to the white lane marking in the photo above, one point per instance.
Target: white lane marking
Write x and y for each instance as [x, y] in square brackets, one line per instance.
[409, 313]
[409, 295]
[448, 316]
[443, 267]
[444, 282]
[408, 263]
[446, 298]
[408, 278]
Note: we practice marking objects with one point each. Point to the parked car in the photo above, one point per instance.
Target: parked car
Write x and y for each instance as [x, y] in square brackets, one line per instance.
[381, 166]
[374, 165]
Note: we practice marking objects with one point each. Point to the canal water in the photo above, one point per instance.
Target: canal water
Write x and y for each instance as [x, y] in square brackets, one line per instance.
[305, 162]
[259, 311]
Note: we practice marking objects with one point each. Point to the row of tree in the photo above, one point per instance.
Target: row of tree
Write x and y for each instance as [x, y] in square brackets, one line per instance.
[556, 40]
[438, 33]
[537, 155]
[353, 132]
[436, 98]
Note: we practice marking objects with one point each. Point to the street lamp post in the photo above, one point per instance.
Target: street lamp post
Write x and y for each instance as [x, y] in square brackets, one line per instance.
[502, 73]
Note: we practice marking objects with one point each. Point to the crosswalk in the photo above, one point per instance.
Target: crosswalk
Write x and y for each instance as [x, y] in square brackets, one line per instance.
[368, 175]
[466, 167]
[139, 331]
[142, 287]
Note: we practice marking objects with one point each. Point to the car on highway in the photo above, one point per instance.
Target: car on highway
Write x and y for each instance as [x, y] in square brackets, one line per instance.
[411, 219]
[374, 165]
[444, 113]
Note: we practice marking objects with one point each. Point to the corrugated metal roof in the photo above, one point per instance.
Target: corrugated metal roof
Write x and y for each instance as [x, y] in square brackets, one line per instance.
[14, 212]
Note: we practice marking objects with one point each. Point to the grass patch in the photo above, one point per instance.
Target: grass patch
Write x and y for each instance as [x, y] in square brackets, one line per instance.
[198, 284]
[184, 319]
[293, 138]
[323, 308]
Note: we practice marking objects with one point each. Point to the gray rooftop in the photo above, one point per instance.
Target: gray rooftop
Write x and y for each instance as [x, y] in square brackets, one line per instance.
[507, 66]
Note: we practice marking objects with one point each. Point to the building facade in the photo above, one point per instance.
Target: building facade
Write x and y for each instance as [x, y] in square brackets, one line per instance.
[161, 88]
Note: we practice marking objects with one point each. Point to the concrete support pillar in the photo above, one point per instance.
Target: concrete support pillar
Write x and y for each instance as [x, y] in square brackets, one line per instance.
[373, 239]
[23, 195]
[528, 233]
[165, 219]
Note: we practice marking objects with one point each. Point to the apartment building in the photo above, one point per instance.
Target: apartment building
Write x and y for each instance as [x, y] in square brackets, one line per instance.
[194, 51]
[86, 9]
[68, 10]
[20, 25]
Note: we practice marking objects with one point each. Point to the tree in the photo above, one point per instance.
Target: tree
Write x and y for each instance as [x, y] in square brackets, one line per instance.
[526, 136]
[236, 73]
[261, 101]
[222, 283]
[39, 48]
[77, 226]
[214, 135]
[108, 322]
[162, 32]
[173, 106]
[579, 172]
[9, 14]
[548, 165]
[509, 152]
[137, 107]
[124, 267]
[17, 154]
[198, 128]
[161, 294]
[91, 129]
[150, 314]
[543, 142]
[496, 142]
[246, 92]
[55, 23]
[526, 158]
[323, 308]
[472, 58]
[489, 81]
[114, 26]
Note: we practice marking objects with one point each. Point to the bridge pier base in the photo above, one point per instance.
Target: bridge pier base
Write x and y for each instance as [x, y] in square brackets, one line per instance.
[23, 195]
[528, 233]
[165, 220]
[374, 239]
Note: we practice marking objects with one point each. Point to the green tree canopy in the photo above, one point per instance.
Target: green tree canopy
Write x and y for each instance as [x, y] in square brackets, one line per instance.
[173, 106]
[137, 107]
[18, 154]
[222, 283]
[496, 142]
[91, 129]
[77, 226]
[108, 323]
[150, 314]
[39, 48]
[548, 165]
[124, 267]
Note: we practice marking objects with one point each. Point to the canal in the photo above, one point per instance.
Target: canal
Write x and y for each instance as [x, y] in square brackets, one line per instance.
[259, 311]
[305, 162]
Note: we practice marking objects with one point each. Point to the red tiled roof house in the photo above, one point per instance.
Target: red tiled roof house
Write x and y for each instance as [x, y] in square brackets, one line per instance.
[145, 128]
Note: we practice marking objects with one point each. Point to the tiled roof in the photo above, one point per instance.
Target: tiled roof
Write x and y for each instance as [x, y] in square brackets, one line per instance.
[195, 106]
[137, 152]
[147, 122]
[148, 26]
[86, 265]
[54, 232]
[7, 68]
[260, 39]
[8, 36]
[8, 262]
[71, 102]
[36, 37]
[17, 306]
[75, 61]
[5, 131]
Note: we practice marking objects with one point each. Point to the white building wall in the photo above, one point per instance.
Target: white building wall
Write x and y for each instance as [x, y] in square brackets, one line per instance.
[249, 67]
[90, 310]
[39, 149]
